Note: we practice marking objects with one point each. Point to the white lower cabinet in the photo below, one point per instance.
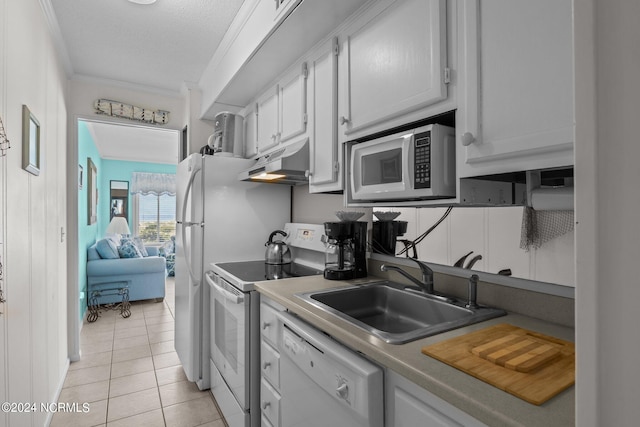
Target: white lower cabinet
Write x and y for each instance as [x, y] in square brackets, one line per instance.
[405, 403]
[408, 405]
[269, 402]
[269, 363]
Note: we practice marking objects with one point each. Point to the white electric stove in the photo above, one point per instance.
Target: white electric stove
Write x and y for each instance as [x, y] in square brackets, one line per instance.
[234, 321]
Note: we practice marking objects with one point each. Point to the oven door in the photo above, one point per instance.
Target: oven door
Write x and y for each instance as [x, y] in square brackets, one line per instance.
[382, 168]
[230, 323]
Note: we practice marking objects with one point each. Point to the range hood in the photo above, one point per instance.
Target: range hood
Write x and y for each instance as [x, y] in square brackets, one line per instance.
[288, 165]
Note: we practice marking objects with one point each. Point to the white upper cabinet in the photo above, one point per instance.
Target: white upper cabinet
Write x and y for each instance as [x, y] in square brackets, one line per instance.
[325, 173]
[250, 135]
[396, 61]
[267, 119]
[293, 105]
[516, 111]
[282, 110]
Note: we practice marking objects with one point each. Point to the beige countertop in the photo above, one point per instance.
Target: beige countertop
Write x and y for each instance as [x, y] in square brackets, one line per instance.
[485, 402]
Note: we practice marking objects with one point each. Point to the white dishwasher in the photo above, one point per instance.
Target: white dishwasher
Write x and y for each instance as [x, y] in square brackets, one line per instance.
[321, 383]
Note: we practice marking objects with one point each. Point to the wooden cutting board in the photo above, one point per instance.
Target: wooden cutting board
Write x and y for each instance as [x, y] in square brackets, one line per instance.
[527, 364]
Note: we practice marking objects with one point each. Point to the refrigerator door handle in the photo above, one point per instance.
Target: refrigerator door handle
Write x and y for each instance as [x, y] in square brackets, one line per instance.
[185, 224]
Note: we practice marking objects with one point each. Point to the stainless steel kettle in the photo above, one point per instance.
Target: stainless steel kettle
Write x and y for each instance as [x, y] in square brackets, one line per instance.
[277, 252]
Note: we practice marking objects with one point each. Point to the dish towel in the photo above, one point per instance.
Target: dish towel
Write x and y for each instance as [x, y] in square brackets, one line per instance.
[538, 227]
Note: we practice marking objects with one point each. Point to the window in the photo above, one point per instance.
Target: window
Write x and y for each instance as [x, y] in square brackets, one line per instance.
[154, 206]
[155, 217]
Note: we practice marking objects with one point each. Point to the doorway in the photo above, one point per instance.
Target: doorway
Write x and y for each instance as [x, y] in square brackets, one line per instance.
[110, 150]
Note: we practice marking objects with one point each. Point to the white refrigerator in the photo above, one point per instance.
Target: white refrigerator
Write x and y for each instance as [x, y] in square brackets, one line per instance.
[219, 219]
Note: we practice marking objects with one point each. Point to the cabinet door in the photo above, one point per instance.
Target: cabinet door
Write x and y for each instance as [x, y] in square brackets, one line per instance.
[267, 120]
[325, 154]
[407, 404]
[250, 135]
[396, 59]
[518, 113]
[293, 105]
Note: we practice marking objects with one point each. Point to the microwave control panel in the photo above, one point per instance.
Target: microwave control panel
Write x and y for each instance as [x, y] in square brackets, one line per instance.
[422, 160]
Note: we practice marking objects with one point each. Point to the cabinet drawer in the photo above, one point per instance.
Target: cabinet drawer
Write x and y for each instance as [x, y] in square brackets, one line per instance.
[269, 324]
[270, 364]
[270, 403]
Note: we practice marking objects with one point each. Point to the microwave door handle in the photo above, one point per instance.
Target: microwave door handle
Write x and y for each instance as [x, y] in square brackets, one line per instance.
[236, 299]
[407, 165]
[352, 169]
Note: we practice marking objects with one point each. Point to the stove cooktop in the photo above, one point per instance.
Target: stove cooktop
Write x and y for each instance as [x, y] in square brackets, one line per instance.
[256, 271]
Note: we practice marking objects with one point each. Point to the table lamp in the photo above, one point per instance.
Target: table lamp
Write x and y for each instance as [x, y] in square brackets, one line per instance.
[118, 225]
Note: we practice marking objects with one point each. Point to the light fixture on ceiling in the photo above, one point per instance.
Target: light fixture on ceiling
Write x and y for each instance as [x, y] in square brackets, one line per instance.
[143, 1]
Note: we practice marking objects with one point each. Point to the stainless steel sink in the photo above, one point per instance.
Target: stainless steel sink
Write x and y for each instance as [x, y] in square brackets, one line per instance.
[395, 313]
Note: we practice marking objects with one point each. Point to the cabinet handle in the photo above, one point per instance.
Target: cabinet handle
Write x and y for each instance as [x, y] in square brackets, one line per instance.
[344, 120]
[266, 365]
[265, 405]
[467, 139]
[265, 325]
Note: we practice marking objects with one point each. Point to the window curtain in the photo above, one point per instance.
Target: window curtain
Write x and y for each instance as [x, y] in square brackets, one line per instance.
[153, 183]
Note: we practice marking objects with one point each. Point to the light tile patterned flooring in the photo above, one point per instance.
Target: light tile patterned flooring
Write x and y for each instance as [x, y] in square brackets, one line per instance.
[130, 374]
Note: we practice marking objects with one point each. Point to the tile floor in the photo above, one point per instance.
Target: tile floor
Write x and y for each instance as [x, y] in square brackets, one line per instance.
[130, 374]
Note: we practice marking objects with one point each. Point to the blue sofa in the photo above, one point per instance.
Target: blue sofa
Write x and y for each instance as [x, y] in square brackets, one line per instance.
[145, 277]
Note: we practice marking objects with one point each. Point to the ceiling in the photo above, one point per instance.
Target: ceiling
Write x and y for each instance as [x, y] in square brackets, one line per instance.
[157, 47]
[160, 46]
[135, 143]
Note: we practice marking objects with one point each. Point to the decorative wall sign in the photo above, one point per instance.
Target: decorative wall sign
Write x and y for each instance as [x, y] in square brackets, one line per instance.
[126, 111]
[30, 142]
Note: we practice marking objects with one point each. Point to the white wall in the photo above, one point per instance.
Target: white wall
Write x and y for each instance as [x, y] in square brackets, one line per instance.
[607, 204]
[198, 130]
[320, 208]
[493, 233]
[33, 319]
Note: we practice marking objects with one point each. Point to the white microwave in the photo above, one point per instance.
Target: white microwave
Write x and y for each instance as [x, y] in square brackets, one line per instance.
[418, 164]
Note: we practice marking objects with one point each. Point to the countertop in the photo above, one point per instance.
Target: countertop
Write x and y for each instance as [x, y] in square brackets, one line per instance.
[485, 402]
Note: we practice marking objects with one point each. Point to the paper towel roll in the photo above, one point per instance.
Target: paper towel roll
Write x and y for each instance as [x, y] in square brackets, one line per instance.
[552, 199]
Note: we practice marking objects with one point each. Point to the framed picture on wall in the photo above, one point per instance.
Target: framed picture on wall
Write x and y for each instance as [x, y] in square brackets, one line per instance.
[92, 194]
[30, 142]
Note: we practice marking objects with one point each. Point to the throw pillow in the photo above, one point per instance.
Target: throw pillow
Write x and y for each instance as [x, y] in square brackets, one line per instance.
[137, 242]
[107, 249]
[140, 245]
[129, 250]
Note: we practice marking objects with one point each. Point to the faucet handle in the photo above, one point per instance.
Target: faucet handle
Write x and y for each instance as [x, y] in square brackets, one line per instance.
[426, 270]
[473, 292]
[427, 275]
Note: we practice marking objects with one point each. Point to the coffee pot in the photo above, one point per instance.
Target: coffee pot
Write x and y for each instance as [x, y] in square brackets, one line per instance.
[346, 250]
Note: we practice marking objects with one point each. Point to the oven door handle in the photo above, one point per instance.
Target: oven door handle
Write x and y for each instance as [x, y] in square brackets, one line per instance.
[227, 294]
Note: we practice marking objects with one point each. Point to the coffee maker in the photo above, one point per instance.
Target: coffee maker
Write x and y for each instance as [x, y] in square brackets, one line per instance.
[385, 236]
[346, 252]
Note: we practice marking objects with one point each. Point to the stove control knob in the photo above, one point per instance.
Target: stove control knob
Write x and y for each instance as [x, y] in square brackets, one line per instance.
[343, 389]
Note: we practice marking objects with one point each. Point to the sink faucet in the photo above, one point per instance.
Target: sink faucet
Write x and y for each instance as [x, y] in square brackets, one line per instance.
[426, 284]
